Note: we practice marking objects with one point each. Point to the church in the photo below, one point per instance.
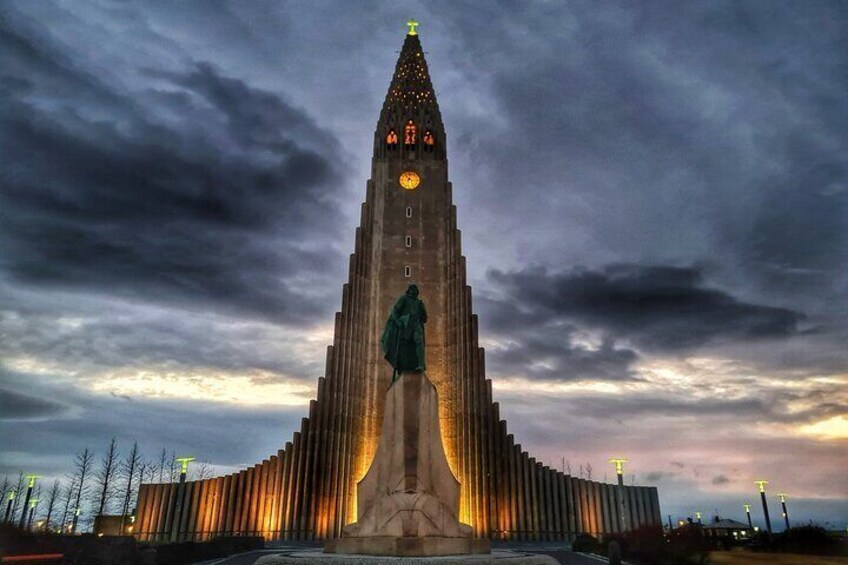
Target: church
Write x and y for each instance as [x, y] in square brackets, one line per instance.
[407, 234]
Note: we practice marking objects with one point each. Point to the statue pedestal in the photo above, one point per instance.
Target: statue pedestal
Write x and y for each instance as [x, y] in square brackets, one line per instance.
[407, 503]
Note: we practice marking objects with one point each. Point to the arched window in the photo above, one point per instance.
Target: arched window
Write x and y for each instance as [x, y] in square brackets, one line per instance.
[409, 135]
[408, 241]
[407, 271]
[409, 211]
[429, 141]
[391, 139]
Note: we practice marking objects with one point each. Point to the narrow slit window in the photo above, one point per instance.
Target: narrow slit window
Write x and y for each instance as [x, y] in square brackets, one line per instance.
[409, 211]
[407, 271]
[409, 241]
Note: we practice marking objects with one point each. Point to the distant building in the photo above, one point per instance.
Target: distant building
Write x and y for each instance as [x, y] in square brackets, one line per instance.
[727, 529]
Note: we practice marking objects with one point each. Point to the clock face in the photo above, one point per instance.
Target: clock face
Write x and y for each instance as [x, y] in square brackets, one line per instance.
[410, 180]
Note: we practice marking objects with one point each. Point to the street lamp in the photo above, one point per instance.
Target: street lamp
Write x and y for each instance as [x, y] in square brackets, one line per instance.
[32, 504]
[9, 504]
[178, 504]
[785, 512]
[762, 484]
[619, 471]
[32, 479]
[748, 512]
[698, 517]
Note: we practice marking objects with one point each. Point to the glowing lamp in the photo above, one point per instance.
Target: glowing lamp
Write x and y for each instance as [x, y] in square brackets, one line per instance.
[619, 465]
[184, 461]
[762, 484]
[32, 479]
[747, 508]
[782, 497]
[412, 25]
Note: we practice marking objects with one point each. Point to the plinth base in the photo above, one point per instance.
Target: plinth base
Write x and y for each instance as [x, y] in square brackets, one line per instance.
[407, 546]
[497, 557]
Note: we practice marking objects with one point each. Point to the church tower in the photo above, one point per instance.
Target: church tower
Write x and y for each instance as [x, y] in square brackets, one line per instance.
[407, 234]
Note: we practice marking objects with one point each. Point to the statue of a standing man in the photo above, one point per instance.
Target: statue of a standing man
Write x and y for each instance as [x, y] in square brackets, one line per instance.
[403, 338]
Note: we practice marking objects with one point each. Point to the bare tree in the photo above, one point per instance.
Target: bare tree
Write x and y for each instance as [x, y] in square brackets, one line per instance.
[568, 466]
[129, 468]
[4, 490]
[581, 471]
[82, 463]
[203, 471]
[18, 498]
[105, 477]
[589, 471]
[52, 500]
[172, 467]
[67, 499]
[162, 457]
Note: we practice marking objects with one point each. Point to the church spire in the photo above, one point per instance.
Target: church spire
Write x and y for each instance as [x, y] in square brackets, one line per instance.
[410, 123]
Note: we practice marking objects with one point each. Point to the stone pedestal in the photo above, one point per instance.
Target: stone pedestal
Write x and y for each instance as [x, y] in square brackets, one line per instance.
[407, 503]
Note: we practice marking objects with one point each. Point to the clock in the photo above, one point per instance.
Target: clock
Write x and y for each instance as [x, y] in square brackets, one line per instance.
[410, 180]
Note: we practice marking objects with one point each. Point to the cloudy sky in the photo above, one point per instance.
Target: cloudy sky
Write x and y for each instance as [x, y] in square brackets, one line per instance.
[653, 197]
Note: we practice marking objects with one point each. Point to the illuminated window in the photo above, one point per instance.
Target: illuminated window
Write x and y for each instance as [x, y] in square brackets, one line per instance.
[409, 211]
[391, 139]
[429, 141]
[407, 271]
[409, 134]
[409, 241]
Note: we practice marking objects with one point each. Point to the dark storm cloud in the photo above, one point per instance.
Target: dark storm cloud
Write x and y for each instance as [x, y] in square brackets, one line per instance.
[20, 406]
[547, 351]
[665, 308]
[195, 187]
[88, 338]
[658, 132]
[720, 480]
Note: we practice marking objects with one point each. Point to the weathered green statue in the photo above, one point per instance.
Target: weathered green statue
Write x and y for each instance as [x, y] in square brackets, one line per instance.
[403, 338]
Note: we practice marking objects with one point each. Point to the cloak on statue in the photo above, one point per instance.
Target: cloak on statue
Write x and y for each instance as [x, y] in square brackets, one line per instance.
[403, 339]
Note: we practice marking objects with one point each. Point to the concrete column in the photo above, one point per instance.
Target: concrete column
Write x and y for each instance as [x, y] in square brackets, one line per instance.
[605, 513]
[655, 505]
[193, 508]
[520, 508]
[285, 469]
[534, 498]
[230, 488]
[187, 519]
[291, 479]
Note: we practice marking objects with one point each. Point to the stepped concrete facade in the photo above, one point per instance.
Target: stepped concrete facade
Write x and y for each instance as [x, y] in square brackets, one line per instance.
[308, 489]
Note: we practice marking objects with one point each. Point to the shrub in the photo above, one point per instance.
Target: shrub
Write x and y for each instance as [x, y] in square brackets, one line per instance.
[810, 539]
[586, 544]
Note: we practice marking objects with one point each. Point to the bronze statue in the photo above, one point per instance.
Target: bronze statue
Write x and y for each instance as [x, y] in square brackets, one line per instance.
[403, 339]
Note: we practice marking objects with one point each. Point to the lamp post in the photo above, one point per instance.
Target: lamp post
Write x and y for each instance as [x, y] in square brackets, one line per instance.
[9, 505]
[32, 504]
[698, 517]
[32, 479]
[178, 505]
[748, 512]
[619, 471]
[762, 484]
[785, 512]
